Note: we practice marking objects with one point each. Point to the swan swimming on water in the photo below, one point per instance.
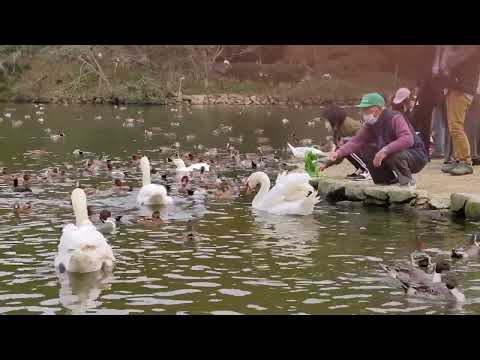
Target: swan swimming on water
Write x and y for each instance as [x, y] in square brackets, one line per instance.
[180, 164]
[291, 195]
[151, 194]
[82, 248]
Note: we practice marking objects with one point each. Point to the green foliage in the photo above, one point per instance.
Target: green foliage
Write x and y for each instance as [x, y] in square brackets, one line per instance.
[310, 166]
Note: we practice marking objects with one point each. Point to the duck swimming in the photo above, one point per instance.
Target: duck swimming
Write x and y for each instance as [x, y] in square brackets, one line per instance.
[472, 250]
[20, 188]
[408, 273]
[446, 291]
[154, 221]
[22, 209]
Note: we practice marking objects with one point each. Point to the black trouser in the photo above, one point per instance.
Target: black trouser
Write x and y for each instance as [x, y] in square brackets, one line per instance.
[357, 162]
[429, 95]
[355, 159]
[397, 167]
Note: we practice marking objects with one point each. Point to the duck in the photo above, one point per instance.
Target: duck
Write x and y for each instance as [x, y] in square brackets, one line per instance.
[20, 188]
[151, 194]
[98, 117]
[291, 195]
[181, 167]
[53, 173]
[82, 248]
[22, 209]
[107, 224]
[40, 120]
[300, 152]
[225, 190]
[56, 137]
[154, 221]
[115, 174]
[285, 121]
[119, 185]
[148, 133]
[258, 131]
[408, 272]
[420, 259]
[78, 152]
[135, 161]
[447, 290]
[471, 250]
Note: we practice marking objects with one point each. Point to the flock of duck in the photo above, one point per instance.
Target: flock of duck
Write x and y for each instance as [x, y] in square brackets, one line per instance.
[84, 249]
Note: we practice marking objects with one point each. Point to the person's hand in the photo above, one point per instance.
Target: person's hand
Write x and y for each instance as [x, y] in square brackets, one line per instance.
[377, 160]
[333, 156]
[322, 166]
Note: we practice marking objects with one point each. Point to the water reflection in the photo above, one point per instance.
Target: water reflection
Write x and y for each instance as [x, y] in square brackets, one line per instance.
[293, 236]
[80, 292]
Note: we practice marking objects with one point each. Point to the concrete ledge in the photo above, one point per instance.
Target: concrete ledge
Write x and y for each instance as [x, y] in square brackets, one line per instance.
[339, 190]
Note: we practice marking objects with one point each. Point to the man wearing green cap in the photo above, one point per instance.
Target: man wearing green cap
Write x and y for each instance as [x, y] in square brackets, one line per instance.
[387, 144]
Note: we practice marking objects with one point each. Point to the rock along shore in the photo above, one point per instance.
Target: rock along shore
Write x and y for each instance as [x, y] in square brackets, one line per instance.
[336, 190]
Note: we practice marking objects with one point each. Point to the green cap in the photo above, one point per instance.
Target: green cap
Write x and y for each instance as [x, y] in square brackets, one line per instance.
[372, 99]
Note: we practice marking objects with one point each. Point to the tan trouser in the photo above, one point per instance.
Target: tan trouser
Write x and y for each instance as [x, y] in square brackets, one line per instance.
[457, 106]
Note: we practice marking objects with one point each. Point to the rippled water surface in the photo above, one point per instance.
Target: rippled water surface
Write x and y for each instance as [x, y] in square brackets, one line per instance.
[241, 261]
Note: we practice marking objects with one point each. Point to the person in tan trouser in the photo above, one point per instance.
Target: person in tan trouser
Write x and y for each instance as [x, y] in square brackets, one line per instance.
[458, 103]
[461, 66]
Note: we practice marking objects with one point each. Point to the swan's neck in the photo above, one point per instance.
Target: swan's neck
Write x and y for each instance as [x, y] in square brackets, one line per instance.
[146, 174]
[79, 204]
[436, 277]
[264, 189]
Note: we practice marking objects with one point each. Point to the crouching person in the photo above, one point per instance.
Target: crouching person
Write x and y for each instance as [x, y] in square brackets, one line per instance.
[387, 144]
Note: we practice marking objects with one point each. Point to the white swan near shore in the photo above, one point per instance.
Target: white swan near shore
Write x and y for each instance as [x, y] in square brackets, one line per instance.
[291, 195]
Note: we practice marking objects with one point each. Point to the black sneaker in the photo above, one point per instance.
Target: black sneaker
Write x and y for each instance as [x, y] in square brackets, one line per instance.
[354, 174]
[365, 175]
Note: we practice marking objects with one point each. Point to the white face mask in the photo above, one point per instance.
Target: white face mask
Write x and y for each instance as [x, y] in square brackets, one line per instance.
[370, 119]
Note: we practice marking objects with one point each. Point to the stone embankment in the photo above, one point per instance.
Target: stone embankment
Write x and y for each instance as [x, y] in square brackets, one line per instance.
[336, 190]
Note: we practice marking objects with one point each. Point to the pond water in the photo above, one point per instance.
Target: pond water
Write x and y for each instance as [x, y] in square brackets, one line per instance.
[241, 262]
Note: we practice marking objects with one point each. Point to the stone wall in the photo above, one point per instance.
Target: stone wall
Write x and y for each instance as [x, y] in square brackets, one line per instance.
[335, 190]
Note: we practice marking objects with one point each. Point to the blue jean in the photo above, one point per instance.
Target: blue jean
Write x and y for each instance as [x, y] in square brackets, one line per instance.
[439, 130]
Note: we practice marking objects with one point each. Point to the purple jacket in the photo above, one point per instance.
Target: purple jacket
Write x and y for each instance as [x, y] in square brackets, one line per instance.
[391, 133]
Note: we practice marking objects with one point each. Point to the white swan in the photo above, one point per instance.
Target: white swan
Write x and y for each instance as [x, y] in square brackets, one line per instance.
[291, 195]
[82, 248]
[300, 152]
[180, 164]
[151, 194]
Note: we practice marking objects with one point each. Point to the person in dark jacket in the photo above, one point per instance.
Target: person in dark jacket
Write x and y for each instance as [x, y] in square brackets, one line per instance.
[430, 95]
[343, 128]
[390, 147]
